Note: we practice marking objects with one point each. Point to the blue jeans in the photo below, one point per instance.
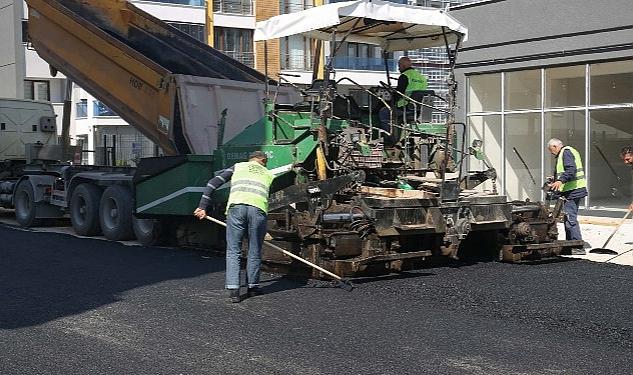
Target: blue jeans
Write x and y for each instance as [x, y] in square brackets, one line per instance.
[572, 227]
[250, 221]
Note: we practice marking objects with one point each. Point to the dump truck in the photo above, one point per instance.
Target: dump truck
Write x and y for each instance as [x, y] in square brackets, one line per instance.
[350, 195]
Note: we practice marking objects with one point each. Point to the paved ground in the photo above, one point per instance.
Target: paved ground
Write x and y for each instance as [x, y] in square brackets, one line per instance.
[70, 305]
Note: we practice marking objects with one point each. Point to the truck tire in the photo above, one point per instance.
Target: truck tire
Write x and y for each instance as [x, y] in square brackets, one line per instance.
[116, 213]
[149, 232]
[24, 201]
[84, 210]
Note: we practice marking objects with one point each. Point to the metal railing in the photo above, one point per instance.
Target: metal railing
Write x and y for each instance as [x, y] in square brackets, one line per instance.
[296, 61]
[243, 7]
[246, 58]
[363, 63]
[198, 3]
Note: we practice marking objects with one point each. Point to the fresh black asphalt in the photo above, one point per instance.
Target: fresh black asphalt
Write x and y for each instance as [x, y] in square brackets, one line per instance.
[82, 306]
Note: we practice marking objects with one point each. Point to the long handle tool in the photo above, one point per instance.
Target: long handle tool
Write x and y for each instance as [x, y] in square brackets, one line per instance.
[342, 283]
[527, 169]
[603, 249]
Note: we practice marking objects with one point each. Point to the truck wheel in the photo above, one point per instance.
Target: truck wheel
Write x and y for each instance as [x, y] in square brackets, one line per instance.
[116, 212]
[84, 210]
[149, 232]
[24, 200]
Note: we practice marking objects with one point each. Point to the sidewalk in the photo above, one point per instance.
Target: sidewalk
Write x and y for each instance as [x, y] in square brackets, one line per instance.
[596, 231]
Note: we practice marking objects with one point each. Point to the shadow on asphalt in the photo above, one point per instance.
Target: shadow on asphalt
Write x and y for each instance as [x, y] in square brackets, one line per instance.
[46, 276]
[393, 276]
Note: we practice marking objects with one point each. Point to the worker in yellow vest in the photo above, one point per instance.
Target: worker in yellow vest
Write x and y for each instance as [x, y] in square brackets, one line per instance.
[626, 154]
[246, 214]
[410, 80]
[569, 181]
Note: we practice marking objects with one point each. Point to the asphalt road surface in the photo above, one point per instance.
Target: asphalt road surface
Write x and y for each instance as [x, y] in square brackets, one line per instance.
[80, 306]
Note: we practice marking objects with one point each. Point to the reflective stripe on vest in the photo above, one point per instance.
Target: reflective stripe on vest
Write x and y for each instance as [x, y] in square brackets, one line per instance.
[250, 185]
[416, 82]
[579, 180]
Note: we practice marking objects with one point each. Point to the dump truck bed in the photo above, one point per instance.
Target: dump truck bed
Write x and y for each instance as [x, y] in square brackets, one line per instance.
[140, 67]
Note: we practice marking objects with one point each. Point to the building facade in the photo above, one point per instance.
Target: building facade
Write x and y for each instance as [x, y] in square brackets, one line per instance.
[535, 70]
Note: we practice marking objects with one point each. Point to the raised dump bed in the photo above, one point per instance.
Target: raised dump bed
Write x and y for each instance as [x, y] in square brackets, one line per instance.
[168, 85]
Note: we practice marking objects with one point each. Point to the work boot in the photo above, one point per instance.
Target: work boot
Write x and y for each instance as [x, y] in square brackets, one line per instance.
[255, 291]
[234, 296]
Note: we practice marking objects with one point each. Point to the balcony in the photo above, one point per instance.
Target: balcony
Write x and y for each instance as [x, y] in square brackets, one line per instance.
[241, 7]
[246, 58]
[296, 61]
[363, 63]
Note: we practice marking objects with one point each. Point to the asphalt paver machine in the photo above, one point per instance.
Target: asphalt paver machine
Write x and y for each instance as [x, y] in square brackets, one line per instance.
[349, 195]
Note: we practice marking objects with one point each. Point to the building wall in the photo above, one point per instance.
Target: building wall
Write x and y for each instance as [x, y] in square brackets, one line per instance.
[263, 11]
[12, 63]
[540, 69]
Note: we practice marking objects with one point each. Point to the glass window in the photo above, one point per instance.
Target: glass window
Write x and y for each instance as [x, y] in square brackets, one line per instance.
[484, 93]
[244, 7]
[296, 53]
[612, 83]
[565, 87]
[37, 90]
[198, 3]
[192, 29]
[569, 127]
[82, 108]
[523, 145]
[609, 178]
[488, 130]
[102, 110]
[523, 90]
[25, 31]
[236, 43]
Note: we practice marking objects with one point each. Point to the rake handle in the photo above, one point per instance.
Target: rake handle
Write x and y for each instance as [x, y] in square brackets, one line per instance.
[617, 228]
[286, 252]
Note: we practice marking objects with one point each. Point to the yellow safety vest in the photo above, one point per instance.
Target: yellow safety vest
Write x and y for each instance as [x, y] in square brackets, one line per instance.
[579, 180]
[250, 184]
[416, 82]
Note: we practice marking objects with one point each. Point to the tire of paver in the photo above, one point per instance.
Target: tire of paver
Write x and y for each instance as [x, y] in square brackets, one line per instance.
[84, 210]
[149, 232]
[116, 213]
[25, 209]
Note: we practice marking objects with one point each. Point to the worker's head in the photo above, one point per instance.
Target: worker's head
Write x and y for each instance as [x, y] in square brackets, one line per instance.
[259, 157]
[626, 154]
[554, 146]
[404, 63]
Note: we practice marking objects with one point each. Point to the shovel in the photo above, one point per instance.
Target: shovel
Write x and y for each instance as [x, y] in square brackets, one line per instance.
[342, 283]
[603, 249]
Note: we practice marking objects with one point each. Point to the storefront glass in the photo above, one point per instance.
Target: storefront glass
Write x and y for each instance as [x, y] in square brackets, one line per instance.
[488, 130]
[565, 87]
[523, 156]
[609, 178]
[612, 83]
[523, 90]
[567, 113]
[485, 93]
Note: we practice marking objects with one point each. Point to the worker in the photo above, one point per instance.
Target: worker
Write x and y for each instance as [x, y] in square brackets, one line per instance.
[626, 154]
[569, 181]
[410, 80]
[246, 213]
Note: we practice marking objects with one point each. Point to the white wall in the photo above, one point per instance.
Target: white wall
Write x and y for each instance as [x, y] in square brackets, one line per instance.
[173, 12]
[11, 60]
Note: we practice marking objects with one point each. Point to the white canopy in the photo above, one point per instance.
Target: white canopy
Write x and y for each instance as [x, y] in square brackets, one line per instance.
[394, 27]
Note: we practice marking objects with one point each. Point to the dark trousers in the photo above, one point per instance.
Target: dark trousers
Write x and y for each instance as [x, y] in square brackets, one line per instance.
[572, 227]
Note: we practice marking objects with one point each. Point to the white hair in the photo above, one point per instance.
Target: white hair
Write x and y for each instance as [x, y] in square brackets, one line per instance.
[554, 142]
